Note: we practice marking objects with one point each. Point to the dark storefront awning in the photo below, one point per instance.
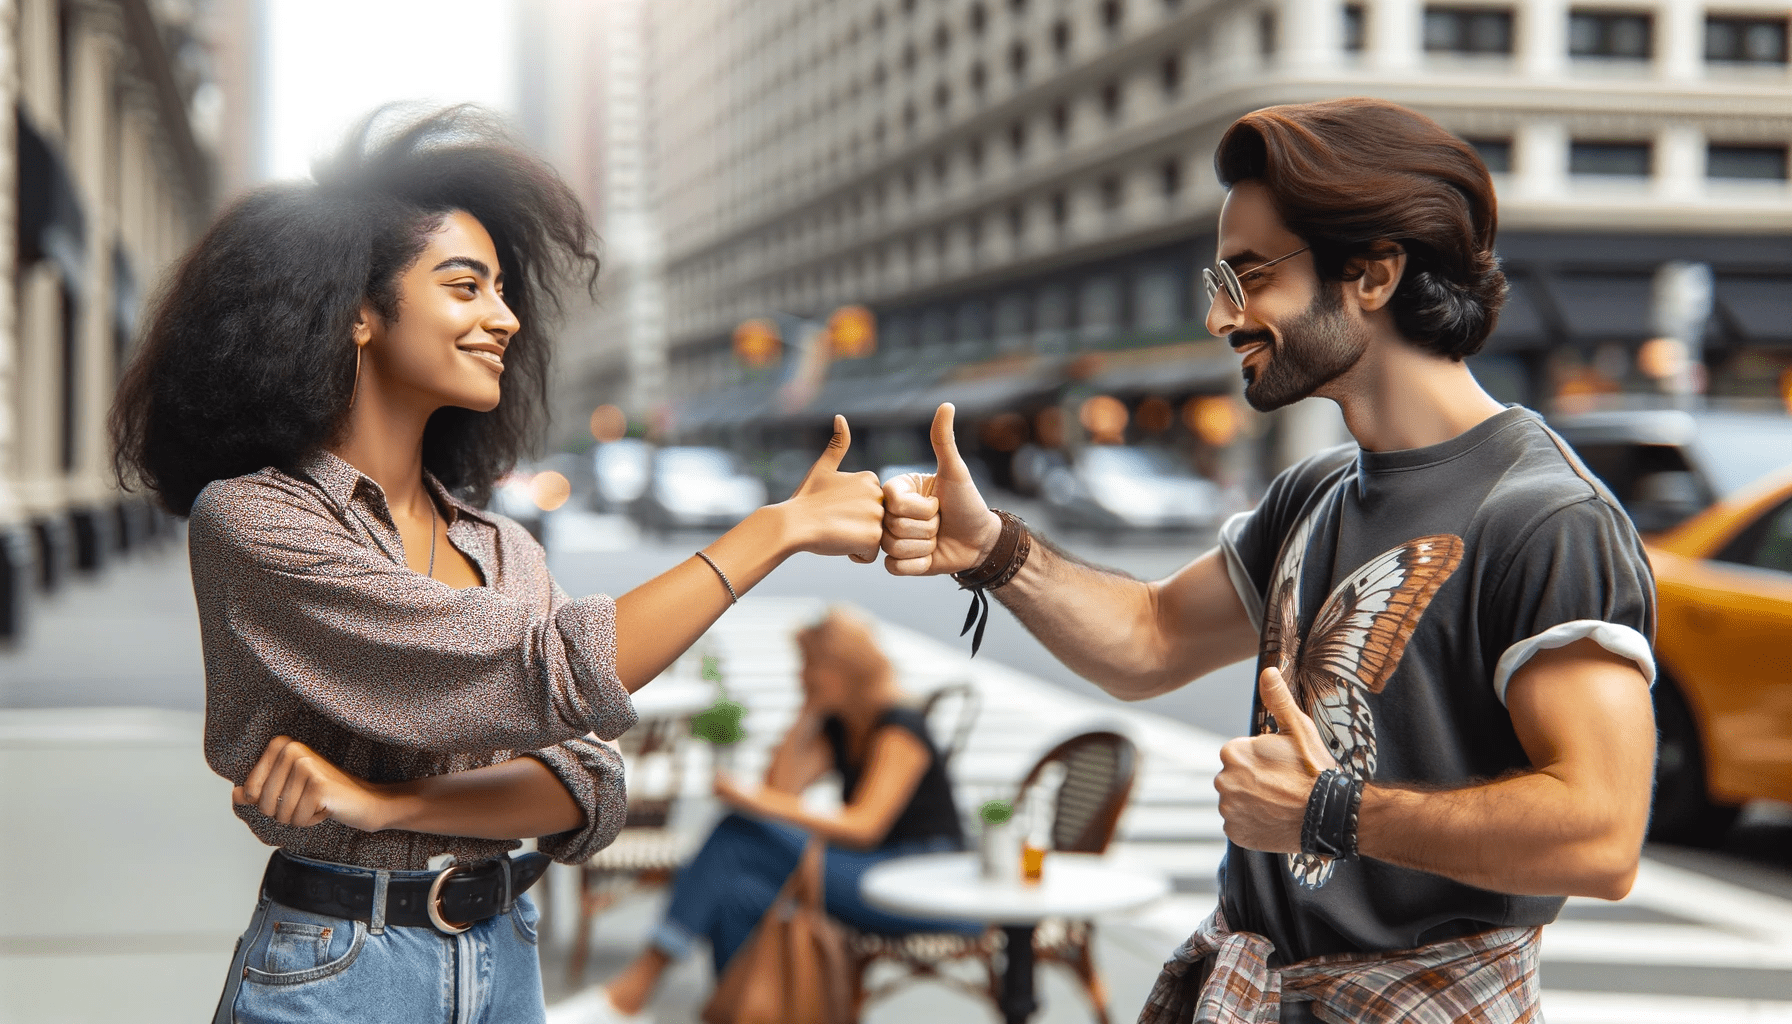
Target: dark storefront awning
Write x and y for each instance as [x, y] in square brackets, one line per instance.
[1759, 308]
[51, 224]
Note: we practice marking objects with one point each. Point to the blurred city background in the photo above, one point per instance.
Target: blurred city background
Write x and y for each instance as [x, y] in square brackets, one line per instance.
[869, 207]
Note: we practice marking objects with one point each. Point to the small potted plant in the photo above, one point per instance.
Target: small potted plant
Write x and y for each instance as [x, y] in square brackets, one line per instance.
[997, 855]
[719, 724]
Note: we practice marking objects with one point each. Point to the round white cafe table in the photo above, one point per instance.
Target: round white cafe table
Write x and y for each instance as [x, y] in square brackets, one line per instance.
[948, 885]
[673, 698]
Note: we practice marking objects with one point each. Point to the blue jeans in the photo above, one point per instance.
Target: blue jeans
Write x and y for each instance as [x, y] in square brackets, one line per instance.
[724, 891]
[293, 966]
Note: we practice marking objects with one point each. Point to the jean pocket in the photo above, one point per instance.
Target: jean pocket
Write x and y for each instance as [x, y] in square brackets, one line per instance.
[309, 950]
[527, 918]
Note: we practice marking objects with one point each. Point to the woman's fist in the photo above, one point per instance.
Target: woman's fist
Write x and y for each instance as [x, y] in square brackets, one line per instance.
[295, 785]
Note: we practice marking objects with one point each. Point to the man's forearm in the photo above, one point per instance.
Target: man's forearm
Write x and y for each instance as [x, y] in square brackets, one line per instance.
[1527, 835]
[1098, 622]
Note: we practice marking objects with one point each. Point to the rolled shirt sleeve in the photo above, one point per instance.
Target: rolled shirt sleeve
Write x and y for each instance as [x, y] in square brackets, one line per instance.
[1581, 573]
[592, 773]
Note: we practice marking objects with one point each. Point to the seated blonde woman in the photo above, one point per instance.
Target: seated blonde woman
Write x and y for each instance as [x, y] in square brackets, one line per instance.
[895, 795]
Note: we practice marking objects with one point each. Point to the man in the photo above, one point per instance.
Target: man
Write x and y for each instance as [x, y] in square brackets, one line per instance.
[1451, 617]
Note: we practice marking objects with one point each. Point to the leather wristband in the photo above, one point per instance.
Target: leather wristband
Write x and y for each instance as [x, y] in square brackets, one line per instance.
[1012, 547]
[1005, 559]
[1329, 826]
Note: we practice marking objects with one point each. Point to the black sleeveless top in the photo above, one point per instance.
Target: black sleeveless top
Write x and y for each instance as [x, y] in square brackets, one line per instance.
[931, 811]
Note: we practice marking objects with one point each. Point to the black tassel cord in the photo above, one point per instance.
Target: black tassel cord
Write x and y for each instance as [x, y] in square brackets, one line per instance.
[978, 616]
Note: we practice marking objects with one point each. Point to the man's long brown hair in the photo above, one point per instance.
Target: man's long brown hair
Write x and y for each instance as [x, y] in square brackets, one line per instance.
[1359, 177]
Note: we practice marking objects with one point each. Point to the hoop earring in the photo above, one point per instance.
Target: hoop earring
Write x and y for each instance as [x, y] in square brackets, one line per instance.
[355, 388]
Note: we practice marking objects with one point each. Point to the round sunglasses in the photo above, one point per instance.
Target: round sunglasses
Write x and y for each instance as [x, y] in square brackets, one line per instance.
[1227, 278]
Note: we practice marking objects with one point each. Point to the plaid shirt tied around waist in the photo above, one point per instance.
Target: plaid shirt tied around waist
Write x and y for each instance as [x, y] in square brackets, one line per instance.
[1487, 978]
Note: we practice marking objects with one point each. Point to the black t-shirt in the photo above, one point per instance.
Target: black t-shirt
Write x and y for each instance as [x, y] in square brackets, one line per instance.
[1399, 592]
[931, 811]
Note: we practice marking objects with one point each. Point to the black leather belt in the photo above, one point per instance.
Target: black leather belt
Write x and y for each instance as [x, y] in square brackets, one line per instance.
[450, 901]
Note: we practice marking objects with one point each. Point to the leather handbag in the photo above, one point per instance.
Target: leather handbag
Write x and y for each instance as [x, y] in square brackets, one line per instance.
[793, 968]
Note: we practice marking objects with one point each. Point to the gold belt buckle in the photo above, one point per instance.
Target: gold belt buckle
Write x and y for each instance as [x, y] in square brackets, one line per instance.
[433, 904]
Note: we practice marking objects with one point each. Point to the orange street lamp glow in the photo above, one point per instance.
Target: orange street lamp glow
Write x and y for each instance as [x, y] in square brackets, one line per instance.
[756, 342]
[549, 490]
[608, 423]
[852, 332]
[1212, 418]
[1104, 417]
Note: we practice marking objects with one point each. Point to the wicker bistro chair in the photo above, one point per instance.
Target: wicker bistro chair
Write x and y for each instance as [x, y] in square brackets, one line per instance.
[956, 704]
[1099, 769]
[648, 850]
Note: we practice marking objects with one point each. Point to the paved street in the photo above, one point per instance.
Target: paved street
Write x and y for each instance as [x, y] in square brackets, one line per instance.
[120, 796]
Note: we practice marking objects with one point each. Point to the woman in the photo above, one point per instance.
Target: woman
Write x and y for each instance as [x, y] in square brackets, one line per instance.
[895, 795]
[393, 680]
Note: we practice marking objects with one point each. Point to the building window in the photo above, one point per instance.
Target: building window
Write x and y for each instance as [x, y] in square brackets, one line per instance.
[1266, 33]
[1113, 15]
[1609, 34]
[942, 97]
[908, 115]
[1169, 175]
[1169, 74]
[942, 40]
[1467, 30]
[979, 19]
[976, 156]
[1017, 138]
[941, 170]
[1061, 121]
[1061, 37]
[909, 56]
[978, 77]
[1018, 6]
[1746, 40]
[1017, 59]
[1017, 222]
[1353, 28]
[1759, 163]
[1495, 153]
[1112, 194]
[1611, 159]
[1113, 99]
[1060, 209]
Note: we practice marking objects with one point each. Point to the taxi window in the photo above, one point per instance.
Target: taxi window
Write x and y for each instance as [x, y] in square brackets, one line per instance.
[1766, 544]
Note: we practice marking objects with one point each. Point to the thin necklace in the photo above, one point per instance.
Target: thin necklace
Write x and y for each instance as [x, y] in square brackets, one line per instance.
[432, 539]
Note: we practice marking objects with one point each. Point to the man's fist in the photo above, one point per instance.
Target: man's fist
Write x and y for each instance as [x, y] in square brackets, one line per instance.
[1264, 781]
[937, 522]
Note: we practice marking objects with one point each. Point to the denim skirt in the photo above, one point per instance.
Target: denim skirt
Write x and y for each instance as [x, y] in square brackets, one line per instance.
[293, 966]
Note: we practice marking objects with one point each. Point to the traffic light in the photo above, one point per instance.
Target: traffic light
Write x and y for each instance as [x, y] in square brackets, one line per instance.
[757, 343]
[852, 332]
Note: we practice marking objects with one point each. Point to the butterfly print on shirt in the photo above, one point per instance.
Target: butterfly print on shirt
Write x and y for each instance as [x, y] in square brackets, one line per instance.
[1350, 651]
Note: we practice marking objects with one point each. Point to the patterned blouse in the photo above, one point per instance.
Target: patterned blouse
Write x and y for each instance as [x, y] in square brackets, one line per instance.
[314, 627]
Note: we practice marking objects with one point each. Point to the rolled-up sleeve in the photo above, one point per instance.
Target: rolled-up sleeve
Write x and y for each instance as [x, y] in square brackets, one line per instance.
[391, 655]
[592, 773]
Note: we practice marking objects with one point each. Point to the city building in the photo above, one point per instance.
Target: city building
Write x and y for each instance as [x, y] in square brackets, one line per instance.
[1022, 190]
[108, 161]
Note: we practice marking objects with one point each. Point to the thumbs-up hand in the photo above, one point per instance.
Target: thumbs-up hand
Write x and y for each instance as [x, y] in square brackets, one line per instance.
[1264, 781]
[838, 513]
[937, 522]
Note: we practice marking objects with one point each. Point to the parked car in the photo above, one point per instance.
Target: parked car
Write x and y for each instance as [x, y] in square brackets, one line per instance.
[1666, 465]
[1712, 495]
[1723, 696]
[1108, 487]
[621, 469]
[697, 488]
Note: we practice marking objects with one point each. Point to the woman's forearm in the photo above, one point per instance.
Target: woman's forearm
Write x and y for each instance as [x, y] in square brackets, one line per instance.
[658, 620]
[518, 799]
[860, 830]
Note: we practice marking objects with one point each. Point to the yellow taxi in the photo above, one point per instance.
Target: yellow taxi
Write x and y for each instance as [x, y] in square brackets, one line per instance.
[1711, 492]
[1723, 647]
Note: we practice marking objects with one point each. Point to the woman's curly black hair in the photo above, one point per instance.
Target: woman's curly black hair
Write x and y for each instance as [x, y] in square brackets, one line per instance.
[1359, 177]
[248, 360]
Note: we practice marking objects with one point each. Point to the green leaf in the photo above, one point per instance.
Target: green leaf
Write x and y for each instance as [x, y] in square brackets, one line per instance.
[719, 723]
[712, 668]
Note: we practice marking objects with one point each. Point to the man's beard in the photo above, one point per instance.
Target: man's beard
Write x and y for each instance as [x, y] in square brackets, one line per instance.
[1316, 349]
